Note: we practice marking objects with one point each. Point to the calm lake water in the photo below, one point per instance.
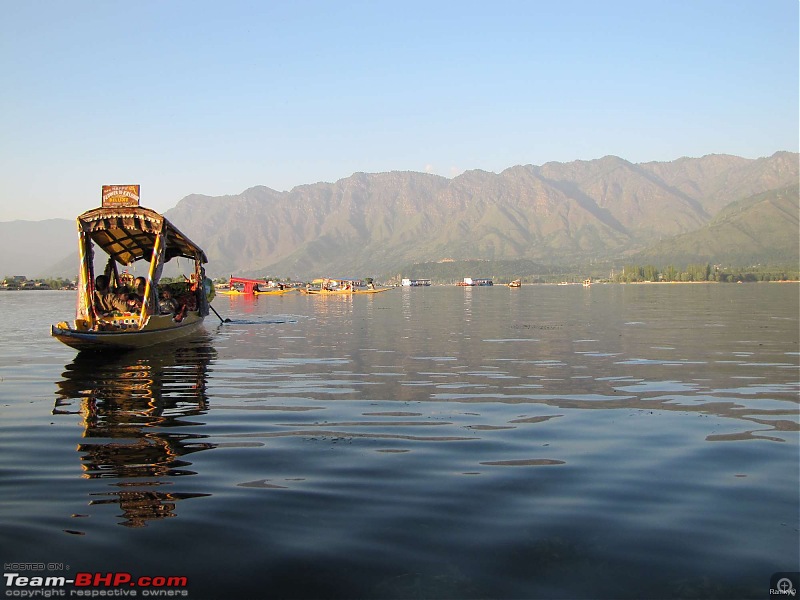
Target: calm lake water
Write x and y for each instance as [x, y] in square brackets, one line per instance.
[546, 442]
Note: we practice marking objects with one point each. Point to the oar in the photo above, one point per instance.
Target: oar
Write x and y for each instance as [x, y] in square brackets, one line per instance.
[216, 313]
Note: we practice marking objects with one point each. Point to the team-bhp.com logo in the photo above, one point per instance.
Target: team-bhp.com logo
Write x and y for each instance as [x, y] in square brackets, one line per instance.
[93, 585]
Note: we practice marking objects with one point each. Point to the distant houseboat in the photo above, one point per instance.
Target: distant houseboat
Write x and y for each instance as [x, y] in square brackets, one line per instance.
[415, 282]
[470, 282]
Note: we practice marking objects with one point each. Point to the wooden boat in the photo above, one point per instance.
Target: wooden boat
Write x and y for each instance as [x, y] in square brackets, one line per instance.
[241, 286]
[340, 287]
[129, 233]
[259, 292]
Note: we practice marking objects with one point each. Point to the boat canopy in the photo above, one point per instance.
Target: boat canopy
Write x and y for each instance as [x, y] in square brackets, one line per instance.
[128, 234]
[337, 280]
[250, 285]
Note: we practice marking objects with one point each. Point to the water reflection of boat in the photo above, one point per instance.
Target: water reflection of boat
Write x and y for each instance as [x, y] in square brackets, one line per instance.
[129, 233]
[137, 409]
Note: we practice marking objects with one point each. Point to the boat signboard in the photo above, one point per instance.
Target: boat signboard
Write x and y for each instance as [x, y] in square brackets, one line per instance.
[115, 196]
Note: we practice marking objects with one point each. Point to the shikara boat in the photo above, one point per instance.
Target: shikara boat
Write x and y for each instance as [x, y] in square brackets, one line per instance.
[340, 287]
[236, 292]
[515, 284]
[129, 233]
[240, 286]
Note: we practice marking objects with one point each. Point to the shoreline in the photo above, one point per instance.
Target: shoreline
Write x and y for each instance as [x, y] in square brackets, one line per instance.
[570, 284]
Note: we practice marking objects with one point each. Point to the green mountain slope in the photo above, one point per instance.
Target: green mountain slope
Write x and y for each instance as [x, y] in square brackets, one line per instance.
[764, 228]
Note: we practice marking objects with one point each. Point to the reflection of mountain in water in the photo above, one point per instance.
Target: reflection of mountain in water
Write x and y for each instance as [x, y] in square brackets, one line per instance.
[137, 410]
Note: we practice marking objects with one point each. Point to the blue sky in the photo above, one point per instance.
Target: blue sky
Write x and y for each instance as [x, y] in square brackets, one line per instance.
[215, 97]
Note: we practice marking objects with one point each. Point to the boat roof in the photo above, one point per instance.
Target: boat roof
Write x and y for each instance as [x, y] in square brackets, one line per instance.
[128, 234]
[339, 279]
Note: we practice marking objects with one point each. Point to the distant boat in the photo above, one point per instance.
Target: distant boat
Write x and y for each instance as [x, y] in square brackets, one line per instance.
[415, 282]
[587, 282]
[240, 286]
[339, 287]
[515, 284]
[470, 282]
[129, 233]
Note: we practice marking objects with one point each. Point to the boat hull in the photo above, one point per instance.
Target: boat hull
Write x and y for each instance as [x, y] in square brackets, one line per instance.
[258, 293]
[342, 292]
[159, 330]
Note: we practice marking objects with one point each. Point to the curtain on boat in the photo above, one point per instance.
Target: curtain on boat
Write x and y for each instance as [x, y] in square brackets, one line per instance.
[83, 309]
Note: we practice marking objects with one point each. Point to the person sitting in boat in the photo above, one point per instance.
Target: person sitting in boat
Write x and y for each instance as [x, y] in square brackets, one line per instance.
[135, 299]
[106, 301]
[167, 305]
[139, 285]
[132, 303]
[177, 306]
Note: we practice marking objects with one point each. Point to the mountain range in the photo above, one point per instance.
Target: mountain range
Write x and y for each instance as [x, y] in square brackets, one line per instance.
[717, 208]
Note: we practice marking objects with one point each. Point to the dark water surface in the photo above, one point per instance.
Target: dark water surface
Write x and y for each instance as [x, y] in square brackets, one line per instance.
[546, 442]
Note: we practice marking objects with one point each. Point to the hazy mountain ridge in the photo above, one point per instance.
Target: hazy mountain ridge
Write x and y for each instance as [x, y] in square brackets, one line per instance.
[721, 179]
[31, 248]
[556, 213]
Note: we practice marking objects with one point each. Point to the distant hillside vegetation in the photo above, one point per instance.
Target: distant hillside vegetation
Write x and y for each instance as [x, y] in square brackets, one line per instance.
[760, 229]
